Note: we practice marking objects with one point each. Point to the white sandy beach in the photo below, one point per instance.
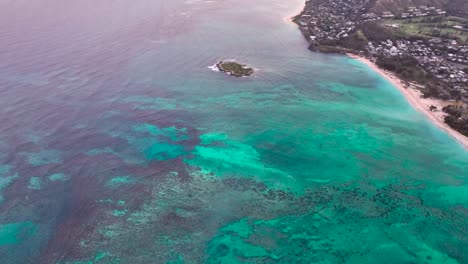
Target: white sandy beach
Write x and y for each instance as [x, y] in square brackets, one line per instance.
[413, 96]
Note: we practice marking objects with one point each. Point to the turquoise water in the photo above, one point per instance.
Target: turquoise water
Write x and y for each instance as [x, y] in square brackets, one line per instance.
[119, 145]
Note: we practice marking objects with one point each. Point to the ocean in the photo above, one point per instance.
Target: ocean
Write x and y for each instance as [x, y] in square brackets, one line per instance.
[118, 143]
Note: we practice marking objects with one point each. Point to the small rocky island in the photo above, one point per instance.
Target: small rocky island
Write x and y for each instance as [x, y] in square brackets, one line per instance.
[234, 68]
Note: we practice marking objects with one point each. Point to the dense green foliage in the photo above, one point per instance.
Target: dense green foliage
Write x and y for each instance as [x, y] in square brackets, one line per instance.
[357, 41]
[377, 32]
[457, 118]
[234, 68]
[405, 66]
[328, 48]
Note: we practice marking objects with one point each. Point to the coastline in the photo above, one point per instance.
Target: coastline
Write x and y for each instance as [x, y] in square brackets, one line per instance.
[413, 97]
[289, 18]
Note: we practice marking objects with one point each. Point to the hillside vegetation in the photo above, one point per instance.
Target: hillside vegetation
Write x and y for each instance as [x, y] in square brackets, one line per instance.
[400, 5]
[457, 5]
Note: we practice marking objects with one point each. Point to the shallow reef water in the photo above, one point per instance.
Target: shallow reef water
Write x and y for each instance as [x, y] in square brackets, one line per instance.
[118, 144]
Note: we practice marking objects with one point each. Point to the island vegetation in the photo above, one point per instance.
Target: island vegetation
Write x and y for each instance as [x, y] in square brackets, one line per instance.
[235, 69]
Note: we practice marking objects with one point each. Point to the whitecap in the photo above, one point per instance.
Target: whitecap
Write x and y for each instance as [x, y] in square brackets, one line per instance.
[214, 67]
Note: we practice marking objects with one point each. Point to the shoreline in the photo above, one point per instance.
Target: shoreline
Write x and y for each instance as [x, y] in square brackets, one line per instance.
[413, 97]
[289, 18]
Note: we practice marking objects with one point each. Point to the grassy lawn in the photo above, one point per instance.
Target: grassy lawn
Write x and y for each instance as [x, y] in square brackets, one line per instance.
[422, 27]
